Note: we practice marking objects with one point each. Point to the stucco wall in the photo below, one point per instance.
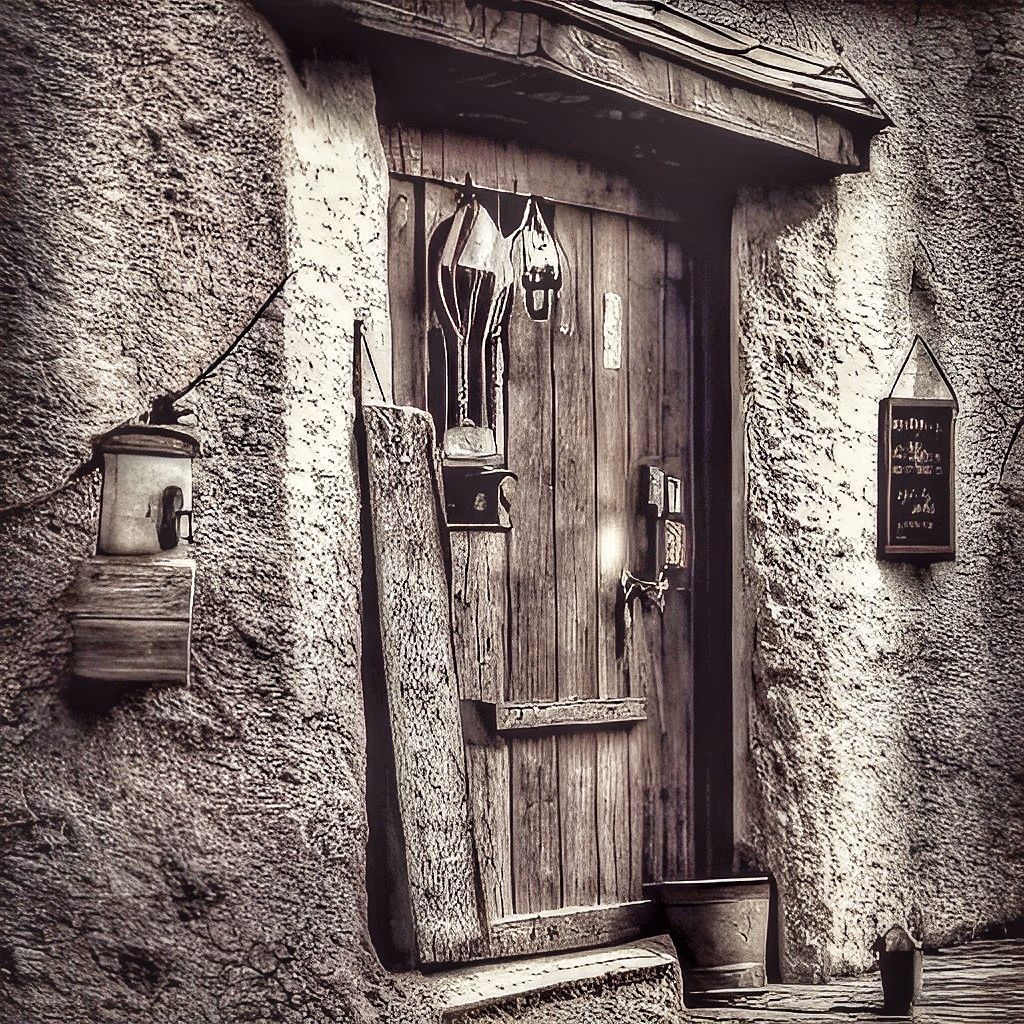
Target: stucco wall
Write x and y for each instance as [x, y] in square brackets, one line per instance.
[198, 855]
[186, 855]
[881, 718]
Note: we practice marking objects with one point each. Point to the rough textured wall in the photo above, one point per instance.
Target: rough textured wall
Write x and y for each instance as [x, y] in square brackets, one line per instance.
[184, 856]
[882, 735]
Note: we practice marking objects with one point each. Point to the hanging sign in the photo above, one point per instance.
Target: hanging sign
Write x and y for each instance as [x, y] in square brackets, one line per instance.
[916, 476]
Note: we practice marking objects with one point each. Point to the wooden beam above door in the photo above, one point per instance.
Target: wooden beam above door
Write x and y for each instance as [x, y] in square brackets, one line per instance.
[613, 78]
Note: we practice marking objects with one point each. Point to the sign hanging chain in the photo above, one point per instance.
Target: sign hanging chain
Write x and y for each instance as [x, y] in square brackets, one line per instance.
[935, 363]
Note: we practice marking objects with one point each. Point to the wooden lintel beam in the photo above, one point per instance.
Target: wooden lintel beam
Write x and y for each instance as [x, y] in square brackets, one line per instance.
[610, 68]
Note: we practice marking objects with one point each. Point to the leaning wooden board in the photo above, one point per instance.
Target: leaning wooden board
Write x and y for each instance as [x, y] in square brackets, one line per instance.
[420, 678]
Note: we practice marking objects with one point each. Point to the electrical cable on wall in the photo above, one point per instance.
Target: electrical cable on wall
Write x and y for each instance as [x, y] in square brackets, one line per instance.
[161, 409]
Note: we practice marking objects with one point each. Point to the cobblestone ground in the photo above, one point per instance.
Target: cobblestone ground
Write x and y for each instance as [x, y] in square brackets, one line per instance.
[981, 981]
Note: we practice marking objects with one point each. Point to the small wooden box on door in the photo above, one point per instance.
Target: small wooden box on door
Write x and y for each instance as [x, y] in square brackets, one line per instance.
[578, 746]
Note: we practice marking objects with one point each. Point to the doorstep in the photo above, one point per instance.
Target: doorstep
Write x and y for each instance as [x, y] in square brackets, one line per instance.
[637, 981]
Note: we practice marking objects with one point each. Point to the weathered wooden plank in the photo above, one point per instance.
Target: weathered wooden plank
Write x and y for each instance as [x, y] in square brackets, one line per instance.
[487, 766]
[474, 155]
[123, 650]
[600, 59]
[610, 306]
[577, 182]
[419, 671]
[647, 805]
[408, 352]
[403, 145]
[646, 329]
[681, 39]
[480, 613]
[759, 114]
[133, 588]
[602, 711]
[571, 928]
[502, 30]
[526, 170]
[464, 18]
[432, 155]
[536, 837]
[536, 834]
[531, 542]
[529, 36]
[612, 325]
[605, 63]
[613, 817]
[836, 143]
[574, 469]
[733, 91]
[575, 547]
[577, 782]
[646, 762]
[677, 647]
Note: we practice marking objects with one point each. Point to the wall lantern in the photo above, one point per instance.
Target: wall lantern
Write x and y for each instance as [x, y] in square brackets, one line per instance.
[472, 286]
[131, 605]
[146, 501]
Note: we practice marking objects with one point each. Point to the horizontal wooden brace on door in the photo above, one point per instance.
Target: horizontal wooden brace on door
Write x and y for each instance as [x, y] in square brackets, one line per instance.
[571, 928]
[597, 711]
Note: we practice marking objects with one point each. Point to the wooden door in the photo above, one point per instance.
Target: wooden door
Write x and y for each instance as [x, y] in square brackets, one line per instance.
[577, 731]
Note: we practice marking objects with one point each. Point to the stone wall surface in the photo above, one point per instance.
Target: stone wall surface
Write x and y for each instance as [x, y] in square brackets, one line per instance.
[881, 731]
[186, 855]
[182, 856]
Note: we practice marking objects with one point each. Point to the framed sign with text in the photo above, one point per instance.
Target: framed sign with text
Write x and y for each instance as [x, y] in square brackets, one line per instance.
[916, 470]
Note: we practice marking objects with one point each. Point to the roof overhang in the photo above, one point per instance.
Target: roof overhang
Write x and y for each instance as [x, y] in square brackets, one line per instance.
[635, 83]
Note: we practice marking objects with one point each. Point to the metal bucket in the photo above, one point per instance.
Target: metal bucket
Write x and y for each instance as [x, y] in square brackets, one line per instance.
[902, 974]
[720, 928]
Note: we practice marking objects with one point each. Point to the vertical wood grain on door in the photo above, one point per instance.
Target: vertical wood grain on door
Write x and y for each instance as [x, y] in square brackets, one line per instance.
[575, 557]
[536, 833]
[573, 817]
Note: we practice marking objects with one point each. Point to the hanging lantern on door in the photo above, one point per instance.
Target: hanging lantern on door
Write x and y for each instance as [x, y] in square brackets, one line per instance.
[131, 605]
[473, 281]
[536, 253]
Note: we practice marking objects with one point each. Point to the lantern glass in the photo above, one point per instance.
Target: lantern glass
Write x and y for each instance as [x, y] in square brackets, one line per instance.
[147, 490]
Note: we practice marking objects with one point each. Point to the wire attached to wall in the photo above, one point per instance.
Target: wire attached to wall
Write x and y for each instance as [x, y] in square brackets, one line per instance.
[161, 409]
[1009, 448]
[918, 339]
[87, 467]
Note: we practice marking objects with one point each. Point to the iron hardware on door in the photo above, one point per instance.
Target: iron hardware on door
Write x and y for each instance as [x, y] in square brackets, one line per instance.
[661, 503]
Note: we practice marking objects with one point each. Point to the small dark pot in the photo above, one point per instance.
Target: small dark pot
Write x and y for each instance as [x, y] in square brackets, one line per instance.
[902, 973]
[720, 929]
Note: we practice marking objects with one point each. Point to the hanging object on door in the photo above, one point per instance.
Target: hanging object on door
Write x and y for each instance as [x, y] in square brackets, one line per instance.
[916, 472]
[665, 561]
[536, 257]
[472, 286]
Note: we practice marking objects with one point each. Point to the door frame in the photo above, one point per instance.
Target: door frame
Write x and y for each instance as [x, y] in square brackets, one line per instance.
[704, 227]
